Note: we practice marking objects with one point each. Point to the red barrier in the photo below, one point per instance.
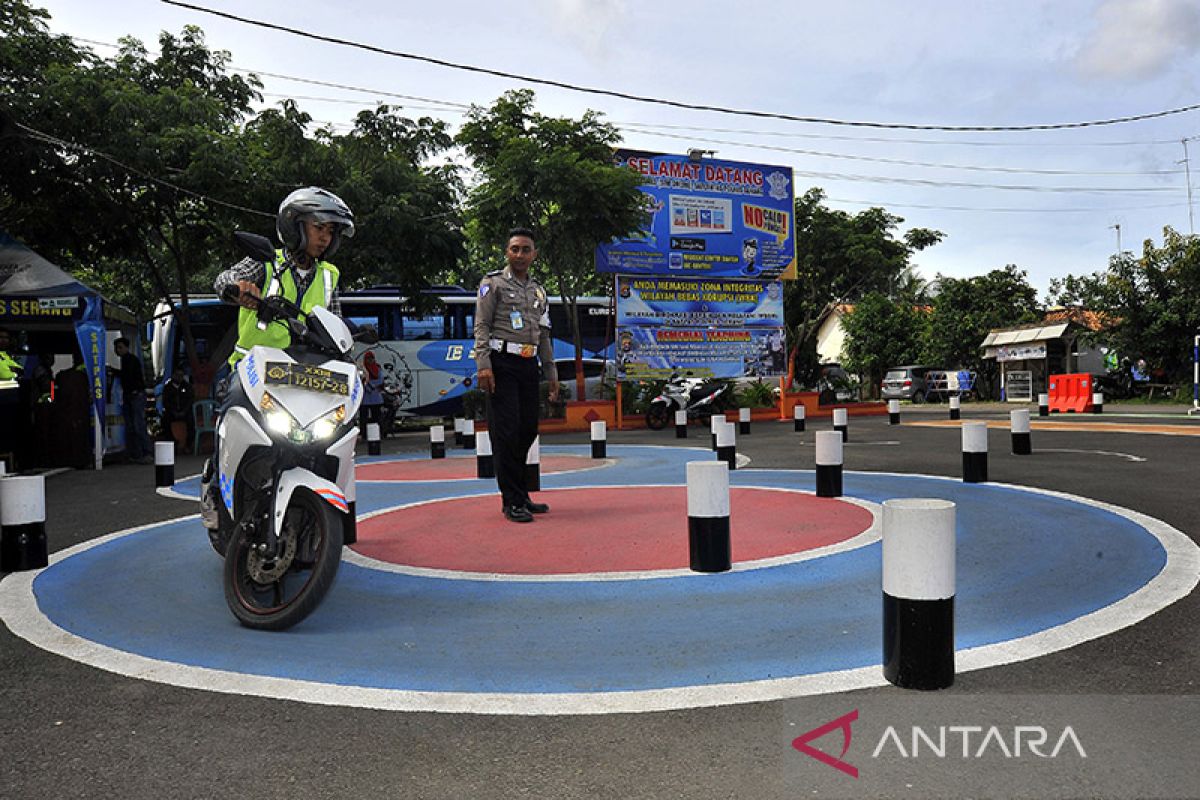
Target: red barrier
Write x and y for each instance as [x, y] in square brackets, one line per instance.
[1071, 393]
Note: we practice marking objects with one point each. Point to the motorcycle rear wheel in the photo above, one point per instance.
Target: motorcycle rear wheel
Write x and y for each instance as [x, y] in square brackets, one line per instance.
[657, 416]
[276, 594]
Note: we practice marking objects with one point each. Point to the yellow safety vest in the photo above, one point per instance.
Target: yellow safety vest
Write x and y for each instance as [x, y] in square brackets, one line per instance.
[280, 281]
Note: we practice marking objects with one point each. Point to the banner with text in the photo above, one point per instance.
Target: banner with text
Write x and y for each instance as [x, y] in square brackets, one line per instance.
[671, 302]
[707, 218]
[654, 353]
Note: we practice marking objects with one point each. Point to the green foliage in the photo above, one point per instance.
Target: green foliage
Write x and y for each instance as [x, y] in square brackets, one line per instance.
[756, 394]
[881, 333]
[841, 258]
[555, 176]
[183, 117]
[1152, 302]
[966, 309]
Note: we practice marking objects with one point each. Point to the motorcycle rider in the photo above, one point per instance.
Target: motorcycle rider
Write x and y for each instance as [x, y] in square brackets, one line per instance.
[310, 223]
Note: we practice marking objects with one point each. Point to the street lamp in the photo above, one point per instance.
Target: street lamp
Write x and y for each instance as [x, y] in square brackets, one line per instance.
[1117, 227]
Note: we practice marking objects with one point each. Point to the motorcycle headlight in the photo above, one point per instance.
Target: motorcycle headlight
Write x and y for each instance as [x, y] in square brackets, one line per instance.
[327, 426]
[278, 419]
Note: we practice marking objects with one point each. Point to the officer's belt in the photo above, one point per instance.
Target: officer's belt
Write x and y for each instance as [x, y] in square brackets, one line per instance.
[522, 350]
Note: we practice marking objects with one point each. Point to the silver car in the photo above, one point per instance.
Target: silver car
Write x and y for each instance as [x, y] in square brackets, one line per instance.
[904, 383]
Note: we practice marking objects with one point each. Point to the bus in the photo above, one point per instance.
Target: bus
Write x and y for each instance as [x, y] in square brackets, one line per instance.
[425, 355]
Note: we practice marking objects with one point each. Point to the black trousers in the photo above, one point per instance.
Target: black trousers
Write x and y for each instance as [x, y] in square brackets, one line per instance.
[513, 422]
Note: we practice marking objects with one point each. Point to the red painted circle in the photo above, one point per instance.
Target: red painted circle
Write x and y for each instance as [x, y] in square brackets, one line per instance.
[457, 468]
[600, 530]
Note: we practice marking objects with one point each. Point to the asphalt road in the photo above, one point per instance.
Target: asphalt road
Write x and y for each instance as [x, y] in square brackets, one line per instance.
[69, 730]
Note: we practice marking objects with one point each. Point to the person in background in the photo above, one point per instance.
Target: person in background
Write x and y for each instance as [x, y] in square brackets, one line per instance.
[11, 429]
[72, 415]
[372, 402]
[10, 368]
[133, 404]
[178, 397]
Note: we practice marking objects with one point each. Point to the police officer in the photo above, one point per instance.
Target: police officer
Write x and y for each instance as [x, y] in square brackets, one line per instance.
[512, 334]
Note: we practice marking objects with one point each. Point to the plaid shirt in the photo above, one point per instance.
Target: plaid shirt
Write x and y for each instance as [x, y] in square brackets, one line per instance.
[250, 270]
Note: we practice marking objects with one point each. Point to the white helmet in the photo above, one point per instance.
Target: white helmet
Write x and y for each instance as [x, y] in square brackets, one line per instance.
[315, 205]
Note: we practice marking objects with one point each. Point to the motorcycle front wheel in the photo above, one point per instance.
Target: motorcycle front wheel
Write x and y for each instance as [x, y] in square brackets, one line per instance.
[276, 593]
[657, 416]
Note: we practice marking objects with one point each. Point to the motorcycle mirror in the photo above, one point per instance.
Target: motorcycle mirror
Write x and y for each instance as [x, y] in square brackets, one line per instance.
[367, 335]
[256, 247]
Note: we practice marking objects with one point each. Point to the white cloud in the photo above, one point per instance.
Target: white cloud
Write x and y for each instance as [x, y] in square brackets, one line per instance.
[1137, 39]
[588, 22]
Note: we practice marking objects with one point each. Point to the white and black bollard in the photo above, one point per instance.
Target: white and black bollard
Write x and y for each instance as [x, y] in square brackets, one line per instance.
[974, 452]
[1043, 405]
[918, 592]
[727, 444]
[1022, 445]
[485, 467]
[437, 441]
[893, 412]
[798, 418]
[955, 407]
[164, 464]
[599, 439]
[839, 423]
[468, 434]
[708, 516]
[744, 421]
[23, 523]
[373, 439]
[829, 464]
[714, 425]
[681, 424]
[458, 429]
[533, 467]
[1097, 402]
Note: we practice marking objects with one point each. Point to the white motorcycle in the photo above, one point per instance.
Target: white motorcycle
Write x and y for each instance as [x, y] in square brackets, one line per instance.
[697, 397]
[278, 495]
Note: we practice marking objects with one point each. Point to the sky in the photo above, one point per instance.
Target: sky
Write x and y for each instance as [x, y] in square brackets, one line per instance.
[1053, 202]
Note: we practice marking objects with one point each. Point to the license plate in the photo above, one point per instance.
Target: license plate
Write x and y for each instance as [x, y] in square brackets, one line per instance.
[306, 376]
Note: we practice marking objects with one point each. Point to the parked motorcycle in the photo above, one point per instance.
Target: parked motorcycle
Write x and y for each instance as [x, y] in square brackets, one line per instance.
[278, 494]
[697, 397]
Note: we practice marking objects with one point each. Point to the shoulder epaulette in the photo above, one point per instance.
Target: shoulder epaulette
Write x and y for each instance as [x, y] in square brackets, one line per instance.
[494, 273]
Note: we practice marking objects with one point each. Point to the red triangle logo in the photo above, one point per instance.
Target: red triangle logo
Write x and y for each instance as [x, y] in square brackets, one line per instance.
[801, 743]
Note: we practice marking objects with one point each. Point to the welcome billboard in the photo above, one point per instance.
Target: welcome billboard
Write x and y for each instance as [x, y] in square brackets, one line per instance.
[707, 218]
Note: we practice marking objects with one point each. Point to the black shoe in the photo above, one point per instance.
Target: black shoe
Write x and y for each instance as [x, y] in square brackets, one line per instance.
[517, 514]
[536, 508]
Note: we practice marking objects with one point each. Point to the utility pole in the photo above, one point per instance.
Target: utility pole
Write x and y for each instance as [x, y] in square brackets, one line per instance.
[1187, 166]
[1117, 227]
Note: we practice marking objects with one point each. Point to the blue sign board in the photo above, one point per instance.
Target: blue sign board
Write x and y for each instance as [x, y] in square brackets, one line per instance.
[707, 218]
[661, 301]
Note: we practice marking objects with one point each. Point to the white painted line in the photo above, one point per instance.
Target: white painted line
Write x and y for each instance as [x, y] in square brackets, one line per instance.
[169, 491]
[1126, 456]
[1177, 579]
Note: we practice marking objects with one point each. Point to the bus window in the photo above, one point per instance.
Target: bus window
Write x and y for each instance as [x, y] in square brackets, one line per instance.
[431, 326]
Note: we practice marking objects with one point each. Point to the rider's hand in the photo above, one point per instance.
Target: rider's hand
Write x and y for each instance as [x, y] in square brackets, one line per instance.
[487, 380]
[552, 392]
[249, 294]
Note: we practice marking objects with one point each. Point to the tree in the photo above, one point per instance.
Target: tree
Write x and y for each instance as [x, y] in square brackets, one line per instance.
[839, 259]
[881, 333]
[964, 310]
[555, 176]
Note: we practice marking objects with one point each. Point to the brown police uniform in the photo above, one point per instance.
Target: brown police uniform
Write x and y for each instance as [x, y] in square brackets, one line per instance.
[512, 334]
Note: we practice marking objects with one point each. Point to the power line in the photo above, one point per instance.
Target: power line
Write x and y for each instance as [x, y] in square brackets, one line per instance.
[1016, 210]
[672, 103]
[459, 107]
[46, 138]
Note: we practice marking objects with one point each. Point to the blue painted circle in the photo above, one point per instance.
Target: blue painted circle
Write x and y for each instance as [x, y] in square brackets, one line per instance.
[1026, 562]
